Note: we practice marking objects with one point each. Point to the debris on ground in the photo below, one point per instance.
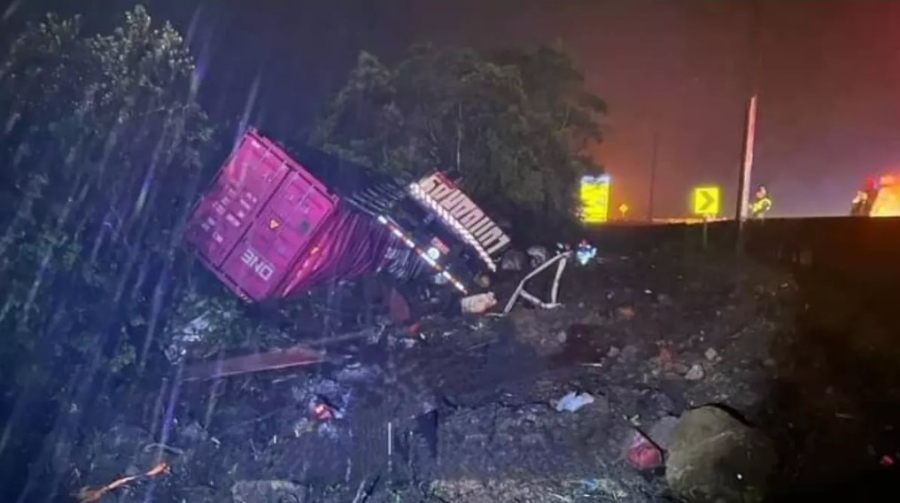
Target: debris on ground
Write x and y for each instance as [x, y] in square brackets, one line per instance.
[573, 401]
[196, 334]
[87, 494]
[695, 373]
[625, 313]
[642, 453]
[478, 303]
[469, 411]
[267, 491]
[512, 261]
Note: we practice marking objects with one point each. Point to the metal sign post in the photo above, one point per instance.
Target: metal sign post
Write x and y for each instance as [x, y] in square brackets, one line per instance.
[705, 203]
[705, 231]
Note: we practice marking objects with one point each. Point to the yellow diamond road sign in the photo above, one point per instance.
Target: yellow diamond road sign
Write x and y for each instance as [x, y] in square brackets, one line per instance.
[705, 200]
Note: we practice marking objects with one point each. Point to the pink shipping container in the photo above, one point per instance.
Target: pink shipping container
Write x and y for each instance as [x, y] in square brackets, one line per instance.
[256, 223]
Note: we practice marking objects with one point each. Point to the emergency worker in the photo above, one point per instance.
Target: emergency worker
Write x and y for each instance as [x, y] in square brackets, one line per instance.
[761, 204]
[862, 203]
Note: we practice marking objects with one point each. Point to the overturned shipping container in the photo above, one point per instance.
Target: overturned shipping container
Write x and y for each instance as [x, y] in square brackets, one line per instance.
[273, 224]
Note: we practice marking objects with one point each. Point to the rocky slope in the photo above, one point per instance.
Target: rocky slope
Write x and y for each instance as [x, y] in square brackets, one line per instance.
[469, 411]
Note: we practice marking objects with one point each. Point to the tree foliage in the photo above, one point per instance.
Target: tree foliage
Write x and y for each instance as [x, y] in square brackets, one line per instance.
[101, 153]
[515, 126]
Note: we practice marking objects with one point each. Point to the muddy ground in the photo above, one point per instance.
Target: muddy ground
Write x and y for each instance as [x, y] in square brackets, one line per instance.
[470, 405]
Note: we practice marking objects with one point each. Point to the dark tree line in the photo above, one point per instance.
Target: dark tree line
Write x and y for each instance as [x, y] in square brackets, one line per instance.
[102, 143]
[513, 126]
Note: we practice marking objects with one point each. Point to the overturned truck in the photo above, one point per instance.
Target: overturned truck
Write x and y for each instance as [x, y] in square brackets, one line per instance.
[274, 225]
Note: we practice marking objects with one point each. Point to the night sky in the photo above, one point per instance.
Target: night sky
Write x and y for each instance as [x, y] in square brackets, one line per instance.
[829, 110]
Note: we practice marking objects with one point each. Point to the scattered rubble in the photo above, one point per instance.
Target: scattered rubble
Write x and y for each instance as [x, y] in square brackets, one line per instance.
[625, 313]
[695, 373]
[469, 411]
[267, 491]
[476, 490]
[513, 261]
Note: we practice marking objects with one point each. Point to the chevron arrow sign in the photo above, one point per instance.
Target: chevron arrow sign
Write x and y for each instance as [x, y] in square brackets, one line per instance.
[705, 201]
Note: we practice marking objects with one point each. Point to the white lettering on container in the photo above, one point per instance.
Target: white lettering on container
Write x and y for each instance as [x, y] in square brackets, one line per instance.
[259, 265]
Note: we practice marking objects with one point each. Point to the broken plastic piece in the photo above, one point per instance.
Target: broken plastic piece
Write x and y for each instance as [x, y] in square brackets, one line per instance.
[642, 453]
[479, 303]
[87, 495]
[573, 401]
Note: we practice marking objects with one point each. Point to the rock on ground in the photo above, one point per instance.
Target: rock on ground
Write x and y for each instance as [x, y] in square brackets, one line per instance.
[713, 457]
[661, 431]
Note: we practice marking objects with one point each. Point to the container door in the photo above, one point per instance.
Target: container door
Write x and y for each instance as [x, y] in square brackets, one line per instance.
[279, 237]
[240, 191]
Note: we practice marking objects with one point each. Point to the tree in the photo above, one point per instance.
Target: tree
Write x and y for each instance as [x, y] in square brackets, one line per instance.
[101, 148]
[102, 145]
[515, 126]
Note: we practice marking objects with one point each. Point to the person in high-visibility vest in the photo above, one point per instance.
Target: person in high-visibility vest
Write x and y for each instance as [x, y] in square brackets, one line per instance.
[761, 204]
[862, 203]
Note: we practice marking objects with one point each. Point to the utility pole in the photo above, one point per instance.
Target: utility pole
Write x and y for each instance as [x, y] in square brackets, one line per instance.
[746, 168]
[743, 198]
[653, 173]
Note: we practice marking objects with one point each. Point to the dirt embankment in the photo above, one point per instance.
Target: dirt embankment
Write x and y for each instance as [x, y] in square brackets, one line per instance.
[469, 413]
